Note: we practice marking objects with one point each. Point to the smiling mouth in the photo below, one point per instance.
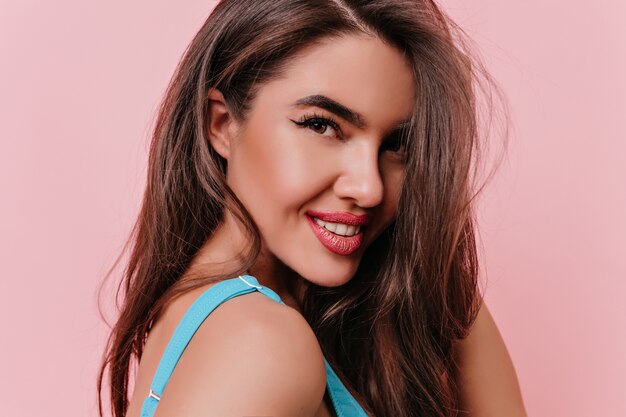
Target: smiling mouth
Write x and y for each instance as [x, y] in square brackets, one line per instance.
[341, 229]
[339, 238]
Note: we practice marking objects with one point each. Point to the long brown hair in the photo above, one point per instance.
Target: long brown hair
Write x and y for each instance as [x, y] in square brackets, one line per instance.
[389, 332]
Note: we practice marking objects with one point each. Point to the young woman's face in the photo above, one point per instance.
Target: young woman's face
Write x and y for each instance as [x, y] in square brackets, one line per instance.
[322, 142]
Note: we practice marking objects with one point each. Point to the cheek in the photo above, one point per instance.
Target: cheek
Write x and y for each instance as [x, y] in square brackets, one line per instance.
[273, 167]
[392, 182]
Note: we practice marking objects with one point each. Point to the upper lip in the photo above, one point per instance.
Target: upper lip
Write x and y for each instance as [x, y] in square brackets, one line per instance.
[341, 217]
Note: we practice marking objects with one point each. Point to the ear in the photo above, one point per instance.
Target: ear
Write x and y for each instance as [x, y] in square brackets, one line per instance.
[222, 126]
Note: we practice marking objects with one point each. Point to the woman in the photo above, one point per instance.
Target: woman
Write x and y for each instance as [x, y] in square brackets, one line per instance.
[319, 152]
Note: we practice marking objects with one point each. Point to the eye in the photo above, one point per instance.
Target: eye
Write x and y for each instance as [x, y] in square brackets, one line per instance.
[319, 124]
[394, 144]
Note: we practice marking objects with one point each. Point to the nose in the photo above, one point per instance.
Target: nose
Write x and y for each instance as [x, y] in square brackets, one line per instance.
[360, 178]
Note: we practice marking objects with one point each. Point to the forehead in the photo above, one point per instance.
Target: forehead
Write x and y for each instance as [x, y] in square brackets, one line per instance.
[361, 72]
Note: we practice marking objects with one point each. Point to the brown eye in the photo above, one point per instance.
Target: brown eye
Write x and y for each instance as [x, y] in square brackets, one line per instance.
[320, 125]
[392, 145]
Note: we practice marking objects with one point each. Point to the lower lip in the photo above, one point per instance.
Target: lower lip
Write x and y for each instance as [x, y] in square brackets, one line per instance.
[341, 245]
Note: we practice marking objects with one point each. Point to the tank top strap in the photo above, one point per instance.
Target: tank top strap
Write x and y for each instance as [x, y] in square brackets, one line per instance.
[197, 313]
[344, 403]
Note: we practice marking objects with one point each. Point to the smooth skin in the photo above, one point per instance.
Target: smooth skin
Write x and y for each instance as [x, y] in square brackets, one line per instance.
[489, 385]
[253, 356]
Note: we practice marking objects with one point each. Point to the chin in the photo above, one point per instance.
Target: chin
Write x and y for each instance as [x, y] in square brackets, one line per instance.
[330, 277]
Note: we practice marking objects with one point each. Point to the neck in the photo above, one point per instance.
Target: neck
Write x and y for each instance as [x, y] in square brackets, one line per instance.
[284, 281]
[224, 249]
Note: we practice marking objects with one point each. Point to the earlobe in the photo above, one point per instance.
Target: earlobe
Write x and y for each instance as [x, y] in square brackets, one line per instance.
[220, 129]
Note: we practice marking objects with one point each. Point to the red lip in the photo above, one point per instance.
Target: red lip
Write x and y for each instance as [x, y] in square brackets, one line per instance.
[341, 217]
[341, 245]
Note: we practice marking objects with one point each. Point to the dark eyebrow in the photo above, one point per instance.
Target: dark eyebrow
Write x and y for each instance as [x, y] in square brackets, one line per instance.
[339, 109]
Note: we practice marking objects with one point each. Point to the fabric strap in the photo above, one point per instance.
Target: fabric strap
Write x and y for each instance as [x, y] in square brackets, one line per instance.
[344, 403]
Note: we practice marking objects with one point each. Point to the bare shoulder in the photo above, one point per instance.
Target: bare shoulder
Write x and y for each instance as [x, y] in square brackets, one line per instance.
[488, 381]
[250, 357]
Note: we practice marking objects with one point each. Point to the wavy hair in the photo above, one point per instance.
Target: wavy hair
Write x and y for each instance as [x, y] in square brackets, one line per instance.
[390, 331]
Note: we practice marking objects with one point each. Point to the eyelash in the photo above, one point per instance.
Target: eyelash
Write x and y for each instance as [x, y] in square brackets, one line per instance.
[400, 144]
[309, 120]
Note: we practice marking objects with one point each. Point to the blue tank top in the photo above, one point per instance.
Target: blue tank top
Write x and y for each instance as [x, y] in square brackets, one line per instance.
[344, 403]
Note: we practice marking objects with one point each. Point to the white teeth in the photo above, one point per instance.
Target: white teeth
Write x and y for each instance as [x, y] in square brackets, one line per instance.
[339, 228]
[331, 227]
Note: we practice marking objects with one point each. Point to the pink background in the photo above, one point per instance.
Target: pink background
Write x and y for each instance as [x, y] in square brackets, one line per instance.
[79, 83]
